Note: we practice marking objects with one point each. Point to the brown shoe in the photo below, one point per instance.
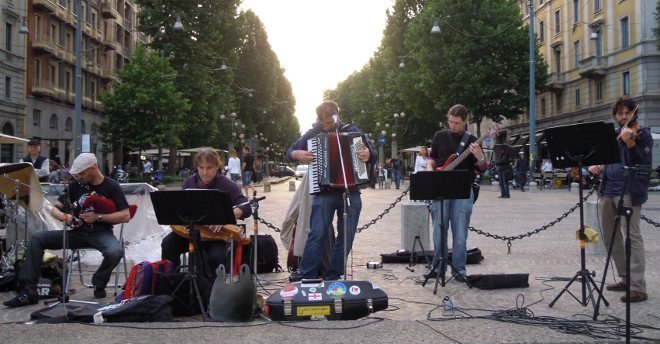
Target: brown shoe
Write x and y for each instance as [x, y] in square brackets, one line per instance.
[620, 286]
[635, 296]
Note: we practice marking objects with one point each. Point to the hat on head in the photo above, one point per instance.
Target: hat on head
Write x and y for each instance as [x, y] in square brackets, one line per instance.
[34, 142]
[83, 162]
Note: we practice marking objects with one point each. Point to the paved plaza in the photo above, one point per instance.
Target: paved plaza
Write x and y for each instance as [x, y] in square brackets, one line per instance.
[550, 257]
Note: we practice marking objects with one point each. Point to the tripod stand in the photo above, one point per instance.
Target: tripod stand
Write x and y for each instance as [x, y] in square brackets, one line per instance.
[440, 186]
[192, 208]
[579, 145]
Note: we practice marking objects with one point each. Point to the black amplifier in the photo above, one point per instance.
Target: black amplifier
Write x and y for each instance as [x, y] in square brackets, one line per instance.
[333, 300]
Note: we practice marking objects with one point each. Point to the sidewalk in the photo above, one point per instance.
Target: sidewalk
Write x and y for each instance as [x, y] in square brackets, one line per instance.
[550, 257]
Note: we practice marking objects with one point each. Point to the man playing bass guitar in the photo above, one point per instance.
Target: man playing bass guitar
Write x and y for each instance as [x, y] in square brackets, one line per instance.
[457, 212]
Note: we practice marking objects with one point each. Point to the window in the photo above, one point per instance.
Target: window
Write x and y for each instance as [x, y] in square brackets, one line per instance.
[53, 121]
[67, 82]
[52, 33]
[8, 34]
[37, 27]
[577, 97]
[557, 22]
[52, 75]
[597, 6]
[82, 127]
[68, 124]
[599, 43]
[36, 117]
[541, 31]
[37, 71]
[540, 2]
[558, 103]
[625, 83]
[625, 37]
[558, 61]
[542, 107]
[599, 90]
[92, 86]
[576, 54]
[7, 87]
[576, 12]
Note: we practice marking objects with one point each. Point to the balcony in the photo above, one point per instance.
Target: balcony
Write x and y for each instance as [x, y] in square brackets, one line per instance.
[64, 14]
[45, 5]
[97, 34]
[556, 82]
[108, 11]
[110, 44]
[87, 29]
[87, 102]
[593, 67]
[60, 94]
[97, 105]
[43, 88]
[43, 44]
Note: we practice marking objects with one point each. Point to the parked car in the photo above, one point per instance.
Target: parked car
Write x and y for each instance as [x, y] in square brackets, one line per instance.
[301, 170]
[284, 171]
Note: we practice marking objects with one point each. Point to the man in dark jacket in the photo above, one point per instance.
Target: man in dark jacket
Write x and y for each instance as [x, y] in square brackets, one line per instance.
[329, 201]
[41, 164]
[503, 170]
[618, 179]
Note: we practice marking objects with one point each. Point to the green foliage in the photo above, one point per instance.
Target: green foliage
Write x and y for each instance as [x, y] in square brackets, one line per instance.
[145, 108]
[480, 59]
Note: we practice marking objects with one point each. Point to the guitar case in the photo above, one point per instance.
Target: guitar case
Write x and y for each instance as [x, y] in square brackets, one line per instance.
[332, 300]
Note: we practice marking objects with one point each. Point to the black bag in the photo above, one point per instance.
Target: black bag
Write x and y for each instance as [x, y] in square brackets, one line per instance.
[50, 282]
[475, 190]
[499, 281]
[184, 301]
[474, 256]
[267, 254]
[145, 308]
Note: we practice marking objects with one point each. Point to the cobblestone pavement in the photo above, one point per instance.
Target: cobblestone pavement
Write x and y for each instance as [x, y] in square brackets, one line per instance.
[551, 258]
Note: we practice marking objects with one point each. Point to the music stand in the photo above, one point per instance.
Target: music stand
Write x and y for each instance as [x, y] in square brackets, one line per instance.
[581, 145]
[193, 207]
[440, 186]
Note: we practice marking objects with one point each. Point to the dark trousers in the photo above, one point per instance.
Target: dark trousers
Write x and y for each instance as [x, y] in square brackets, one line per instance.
[103, 241]
[215, 252]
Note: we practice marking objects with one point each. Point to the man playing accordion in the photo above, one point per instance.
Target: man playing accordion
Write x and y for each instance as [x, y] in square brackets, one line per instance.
[329, 200]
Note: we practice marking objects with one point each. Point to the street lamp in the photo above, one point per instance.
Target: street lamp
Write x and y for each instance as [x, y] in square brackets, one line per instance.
[178, 26]
[532, 94]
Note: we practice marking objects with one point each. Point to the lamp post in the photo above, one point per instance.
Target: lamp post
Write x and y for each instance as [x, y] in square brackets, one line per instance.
[532, 94]
[77, 85]
[395, 146]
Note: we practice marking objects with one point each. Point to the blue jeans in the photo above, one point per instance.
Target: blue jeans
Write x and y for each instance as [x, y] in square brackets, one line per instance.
[457, 214]
[103, 240]
[234, 177]
[324, 207]
[396, 175]
[247, 178]
[504, 185]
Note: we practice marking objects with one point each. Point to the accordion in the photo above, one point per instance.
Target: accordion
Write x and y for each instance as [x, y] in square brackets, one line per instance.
[325, 170]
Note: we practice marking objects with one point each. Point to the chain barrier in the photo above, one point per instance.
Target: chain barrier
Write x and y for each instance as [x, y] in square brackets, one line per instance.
[651, 222]
[268, 224]
[509, 239]
[385, 212]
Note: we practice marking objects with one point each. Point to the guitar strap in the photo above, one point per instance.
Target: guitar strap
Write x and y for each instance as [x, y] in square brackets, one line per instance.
[463, 144]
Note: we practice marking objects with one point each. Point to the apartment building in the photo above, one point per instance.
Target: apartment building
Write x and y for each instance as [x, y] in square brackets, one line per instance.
[109, 36]
[596, 51]
[12, 71]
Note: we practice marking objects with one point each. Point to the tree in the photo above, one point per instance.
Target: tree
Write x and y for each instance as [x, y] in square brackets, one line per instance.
[145, 108]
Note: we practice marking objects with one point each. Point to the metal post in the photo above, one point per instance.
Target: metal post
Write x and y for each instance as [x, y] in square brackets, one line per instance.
[532, 93]
[77, 140]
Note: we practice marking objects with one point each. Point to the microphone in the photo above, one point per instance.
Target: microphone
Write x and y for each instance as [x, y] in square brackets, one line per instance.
[335, 118]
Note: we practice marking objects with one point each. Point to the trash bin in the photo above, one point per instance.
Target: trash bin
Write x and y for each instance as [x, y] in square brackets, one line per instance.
[292, 185]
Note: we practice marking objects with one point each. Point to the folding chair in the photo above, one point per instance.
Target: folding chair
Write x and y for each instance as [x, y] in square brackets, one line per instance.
[76, 256]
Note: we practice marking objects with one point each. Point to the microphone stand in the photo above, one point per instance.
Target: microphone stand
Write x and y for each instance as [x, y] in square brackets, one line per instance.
[347, 201]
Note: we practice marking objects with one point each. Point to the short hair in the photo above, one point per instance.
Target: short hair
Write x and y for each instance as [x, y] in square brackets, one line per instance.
[327, 108]
[458, 110]
[246, 148]
[622, 102]
[209, 155]
[233, 153]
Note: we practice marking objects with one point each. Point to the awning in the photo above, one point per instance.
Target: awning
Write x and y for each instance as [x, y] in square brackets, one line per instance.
[8, 139]
[412, 149]
[198, 149]
[511, 140]
[154, 152]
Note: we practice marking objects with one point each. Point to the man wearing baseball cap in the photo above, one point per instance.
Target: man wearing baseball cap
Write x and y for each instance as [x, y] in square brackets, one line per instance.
[89, 229]
[41, 164]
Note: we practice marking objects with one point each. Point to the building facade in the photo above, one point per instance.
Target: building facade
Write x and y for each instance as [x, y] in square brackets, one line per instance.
[596, 51]
[109, 36]
[12, 76]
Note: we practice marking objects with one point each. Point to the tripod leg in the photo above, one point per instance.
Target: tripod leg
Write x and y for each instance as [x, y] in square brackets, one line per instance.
[563, 290]
[413, 256]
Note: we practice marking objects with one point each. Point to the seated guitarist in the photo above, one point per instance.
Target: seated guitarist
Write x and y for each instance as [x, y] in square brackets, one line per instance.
[208, 164]
[457, 212]
[92, 228]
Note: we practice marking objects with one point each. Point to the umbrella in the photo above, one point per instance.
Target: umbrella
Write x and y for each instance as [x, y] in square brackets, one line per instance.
[501, 149]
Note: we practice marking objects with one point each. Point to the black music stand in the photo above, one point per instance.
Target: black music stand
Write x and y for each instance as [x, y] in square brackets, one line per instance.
[581, 145]
[439, 186]
[193, 207]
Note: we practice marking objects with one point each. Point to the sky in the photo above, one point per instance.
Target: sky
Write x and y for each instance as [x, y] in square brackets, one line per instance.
[320, 42]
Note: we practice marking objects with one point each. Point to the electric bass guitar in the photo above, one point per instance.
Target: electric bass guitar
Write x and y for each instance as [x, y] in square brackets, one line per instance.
[455, 159]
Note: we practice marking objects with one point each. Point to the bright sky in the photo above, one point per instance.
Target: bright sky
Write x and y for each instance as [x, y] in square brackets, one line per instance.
[320, 42]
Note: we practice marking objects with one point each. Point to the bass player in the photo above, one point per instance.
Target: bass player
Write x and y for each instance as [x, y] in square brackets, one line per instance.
[457, 212]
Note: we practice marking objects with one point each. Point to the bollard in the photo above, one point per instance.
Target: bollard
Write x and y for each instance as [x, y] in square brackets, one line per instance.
[388, 184]
[415, 222]
[267, 187]
[495, 186]
[533, 187]
[575, 187]
[292, 185]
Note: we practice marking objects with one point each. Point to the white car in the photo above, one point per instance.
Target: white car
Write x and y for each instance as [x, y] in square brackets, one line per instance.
[301, 170]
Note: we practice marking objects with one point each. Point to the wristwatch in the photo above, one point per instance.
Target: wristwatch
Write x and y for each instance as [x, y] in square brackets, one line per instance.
[99, 218]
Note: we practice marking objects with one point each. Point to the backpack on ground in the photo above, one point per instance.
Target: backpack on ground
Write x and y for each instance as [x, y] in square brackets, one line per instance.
[142, 278]
[267, 254]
